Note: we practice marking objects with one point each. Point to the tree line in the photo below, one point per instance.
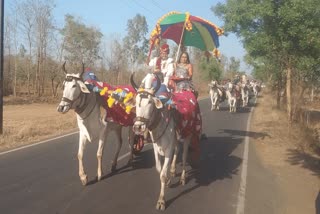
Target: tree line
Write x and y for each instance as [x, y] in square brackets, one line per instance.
[281, 38]
[35, 48]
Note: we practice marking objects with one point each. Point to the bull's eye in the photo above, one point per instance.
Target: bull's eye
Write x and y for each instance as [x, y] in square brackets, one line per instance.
[69, 79]
[74, 86]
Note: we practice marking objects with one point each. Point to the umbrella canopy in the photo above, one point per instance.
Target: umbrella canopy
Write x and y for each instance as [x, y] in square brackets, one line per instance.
[187, 30]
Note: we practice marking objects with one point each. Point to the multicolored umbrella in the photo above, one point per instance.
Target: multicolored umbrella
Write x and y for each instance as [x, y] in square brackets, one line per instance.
[187, 30]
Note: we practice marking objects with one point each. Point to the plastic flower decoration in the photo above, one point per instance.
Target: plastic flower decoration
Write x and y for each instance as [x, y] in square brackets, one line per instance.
[104, 91]
[188, 22]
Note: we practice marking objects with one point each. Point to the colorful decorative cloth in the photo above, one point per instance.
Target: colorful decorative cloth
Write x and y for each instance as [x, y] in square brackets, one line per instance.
[118, 101]
[190, 117]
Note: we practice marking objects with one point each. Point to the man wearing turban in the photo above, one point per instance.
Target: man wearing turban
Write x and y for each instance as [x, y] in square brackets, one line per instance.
[163, 66]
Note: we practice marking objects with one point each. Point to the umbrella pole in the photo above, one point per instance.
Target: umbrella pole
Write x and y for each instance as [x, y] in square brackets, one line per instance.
[184, 25]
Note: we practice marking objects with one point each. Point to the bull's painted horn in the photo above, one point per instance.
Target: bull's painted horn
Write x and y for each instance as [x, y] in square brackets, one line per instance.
[158, 84]
[64, 67]
[134, 85]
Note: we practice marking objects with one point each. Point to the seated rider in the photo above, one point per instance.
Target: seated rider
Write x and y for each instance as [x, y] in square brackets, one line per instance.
[182, 78]
[162, 65]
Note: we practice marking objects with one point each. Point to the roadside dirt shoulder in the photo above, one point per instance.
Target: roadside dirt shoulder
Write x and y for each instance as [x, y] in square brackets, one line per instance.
[297, 172]
[29, 123]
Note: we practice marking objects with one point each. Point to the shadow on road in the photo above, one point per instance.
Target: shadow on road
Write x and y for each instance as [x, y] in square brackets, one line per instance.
[239, 109]
[217, 163]
[144, 160]
[305, 160]
[254, 135]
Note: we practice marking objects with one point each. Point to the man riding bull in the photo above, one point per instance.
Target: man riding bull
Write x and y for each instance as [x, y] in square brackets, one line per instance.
[163, 65]
[185, 100]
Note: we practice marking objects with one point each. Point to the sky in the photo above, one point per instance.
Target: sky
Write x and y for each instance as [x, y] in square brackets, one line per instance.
[111, 16]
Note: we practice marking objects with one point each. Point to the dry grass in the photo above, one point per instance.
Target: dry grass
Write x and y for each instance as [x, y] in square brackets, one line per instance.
[28, 123]
[289, 154]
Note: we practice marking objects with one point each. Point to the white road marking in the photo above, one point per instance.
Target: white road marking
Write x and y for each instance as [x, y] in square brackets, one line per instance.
[244, 170]
[35, 144]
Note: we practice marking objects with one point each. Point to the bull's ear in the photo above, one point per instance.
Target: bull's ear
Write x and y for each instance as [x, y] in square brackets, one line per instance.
[158, 103]
[83, 87]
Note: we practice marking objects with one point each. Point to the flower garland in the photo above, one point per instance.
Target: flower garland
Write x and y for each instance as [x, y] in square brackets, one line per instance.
[216, 52]
[156, 32]
[219, 31]
[188, 24]
[123, 97]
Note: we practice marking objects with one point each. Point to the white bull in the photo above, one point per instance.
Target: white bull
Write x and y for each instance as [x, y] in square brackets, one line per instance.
[232, 97]
[91, 126]
[215, 94]
[244, 94]
[152, 116]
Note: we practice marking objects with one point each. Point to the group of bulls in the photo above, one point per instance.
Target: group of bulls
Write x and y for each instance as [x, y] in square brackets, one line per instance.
[166, 125]
[236, 94]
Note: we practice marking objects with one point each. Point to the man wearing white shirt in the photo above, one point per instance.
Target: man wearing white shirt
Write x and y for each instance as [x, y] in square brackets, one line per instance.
[162, 65]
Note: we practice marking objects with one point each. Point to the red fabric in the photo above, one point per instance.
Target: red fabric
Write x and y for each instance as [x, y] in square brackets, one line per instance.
[117, 112]
[190, 117]
[164, 48]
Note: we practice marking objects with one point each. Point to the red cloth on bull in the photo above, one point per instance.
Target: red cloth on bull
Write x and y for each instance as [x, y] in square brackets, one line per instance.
[190, 117]
[117, 113]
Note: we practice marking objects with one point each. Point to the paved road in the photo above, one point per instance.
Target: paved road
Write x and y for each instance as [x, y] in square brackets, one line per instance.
[44, 178]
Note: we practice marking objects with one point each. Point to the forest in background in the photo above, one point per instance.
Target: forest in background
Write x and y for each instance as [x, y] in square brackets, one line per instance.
[280, 37]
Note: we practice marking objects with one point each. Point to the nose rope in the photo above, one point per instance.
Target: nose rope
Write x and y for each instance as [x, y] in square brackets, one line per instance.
[82, 105]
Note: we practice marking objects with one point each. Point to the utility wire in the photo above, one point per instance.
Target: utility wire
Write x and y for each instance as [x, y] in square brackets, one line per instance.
[157, 5]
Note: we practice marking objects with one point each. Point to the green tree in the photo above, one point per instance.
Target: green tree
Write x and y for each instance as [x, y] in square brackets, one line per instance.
[81, 42]
[277, 31]
[210, 68]
[136, 43]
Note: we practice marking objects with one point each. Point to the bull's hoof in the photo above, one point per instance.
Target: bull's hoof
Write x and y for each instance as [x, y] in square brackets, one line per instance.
[84, 180]
[129, 163]
[173, 174]
[98, 178]
[182, 181]
[114, 168]
[161, 205]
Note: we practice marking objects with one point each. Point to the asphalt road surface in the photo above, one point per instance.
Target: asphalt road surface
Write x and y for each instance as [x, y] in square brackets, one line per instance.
[44, 178]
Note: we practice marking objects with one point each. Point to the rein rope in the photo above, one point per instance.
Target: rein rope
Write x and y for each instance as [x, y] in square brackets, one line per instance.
[156, 120]
[84, 102]
[164, 130]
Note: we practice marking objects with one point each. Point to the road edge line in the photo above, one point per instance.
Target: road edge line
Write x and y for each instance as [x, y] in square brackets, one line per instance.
[244, 169]
[35, 144]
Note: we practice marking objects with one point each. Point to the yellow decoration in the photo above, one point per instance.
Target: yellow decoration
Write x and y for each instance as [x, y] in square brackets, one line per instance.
[188, 24]
[128, 97]
[219, 31]
[104, 91]
[216, 52]
[111, 101]
[128, 109]
[154, 37]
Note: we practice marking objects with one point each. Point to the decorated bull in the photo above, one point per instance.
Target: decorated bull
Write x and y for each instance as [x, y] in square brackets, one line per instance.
[92, 127]
[167, 126]
[233, 95]
[217, 95]
[244, 93]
